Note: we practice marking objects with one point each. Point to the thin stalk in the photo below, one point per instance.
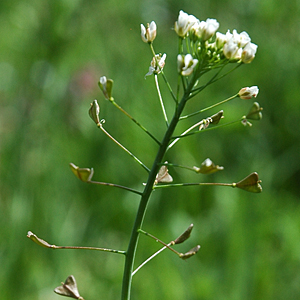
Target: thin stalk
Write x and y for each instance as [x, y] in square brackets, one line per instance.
[120, 145]
[131, 250]
[184, 133]
[194, 184]
[206, 129]
[89, 248]
[209, 107]
[116, 185]
[135, 121]
[161, 100]
[45, 244]
[160, 241]
[150, 258]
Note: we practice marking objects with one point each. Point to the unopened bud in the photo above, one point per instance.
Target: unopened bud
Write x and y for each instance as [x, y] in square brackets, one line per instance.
[106, 87]
[94, 112]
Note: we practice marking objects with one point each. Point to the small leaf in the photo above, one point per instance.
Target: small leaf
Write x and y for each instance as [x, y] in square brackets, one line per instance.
[255, 112]
[163, 175]
[69, 288]
[190, 253]
[185, 235]
[250, 184]
[84, 174]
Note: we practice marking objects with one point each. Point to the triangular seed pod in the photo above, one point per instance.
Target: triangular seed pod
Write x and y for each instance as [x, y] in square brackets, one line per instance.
[185, 235]
[251, 183]
[69, 288]
[163, 175]
[190, 253]
[255, 112]
[84, 174]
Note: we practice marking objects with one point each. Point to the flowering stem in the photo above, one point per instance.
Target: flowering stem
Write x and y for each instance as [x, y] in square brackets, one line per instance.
[161, 100]
[131, 250]
[120, 145]
[136, 122]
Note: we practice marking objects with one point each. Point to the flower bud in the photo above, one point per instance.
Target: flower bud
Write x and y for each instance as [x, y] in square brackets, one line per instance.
[106, 86]
[248, 92]
[94, 112]
[148, 35]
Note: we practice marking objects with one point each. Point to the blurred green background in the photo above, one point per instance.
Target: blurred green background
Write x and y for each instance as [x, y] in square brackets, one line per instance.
[52, 54]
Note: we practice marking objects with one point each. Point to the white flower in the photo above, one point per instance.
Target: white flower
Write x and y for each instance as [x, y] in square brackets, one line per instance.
[184, 23]
[231, 50]
[221, 39]
[186, 64]
[209, 28]
[148, 35]
[154, 67]
[248, 92]
[248, 53]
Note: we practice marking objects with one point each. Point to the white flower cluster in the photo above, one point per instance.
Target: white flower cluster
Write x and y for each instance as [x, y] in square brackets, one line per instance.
[235, 46]
[203, 35]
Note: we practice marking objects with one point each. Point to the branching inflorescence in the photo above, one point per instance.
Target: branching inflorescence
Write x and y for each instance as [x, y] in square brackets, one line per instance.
[201, 49]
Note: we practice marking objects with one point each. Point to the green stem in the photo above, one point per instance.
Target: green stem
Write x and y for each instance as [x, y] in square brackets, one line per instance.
[131, 250]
